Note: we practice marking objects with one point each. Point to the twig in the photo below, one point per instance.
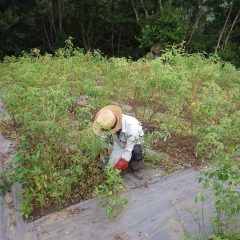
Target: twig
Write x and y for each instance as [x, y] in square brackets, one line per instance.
[179, 218]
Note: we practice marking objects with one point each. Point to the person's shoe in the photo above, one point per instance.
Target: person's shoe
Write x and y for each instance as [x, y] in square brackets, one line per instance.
[138, 174]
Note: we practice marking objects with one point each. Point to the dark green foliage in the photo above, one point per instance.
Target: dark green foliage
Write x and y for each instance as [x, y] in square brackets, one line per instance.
[122, 27]
[166, 28]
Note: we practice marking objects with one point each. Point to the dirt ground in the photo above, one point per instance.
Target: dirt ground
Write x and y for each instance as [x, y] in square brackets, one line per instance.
[180, 149]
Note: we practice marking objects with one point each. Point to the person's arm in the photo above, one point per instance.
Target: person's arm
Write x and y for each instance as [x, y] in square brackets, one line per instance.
[131, 142]
[123, 162]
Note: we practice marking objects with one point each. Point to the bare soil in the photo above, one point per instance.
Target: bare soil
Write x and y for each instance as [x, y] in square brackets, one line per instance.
[62, 214]
[180, 149]
[8, 130]
[121, 236]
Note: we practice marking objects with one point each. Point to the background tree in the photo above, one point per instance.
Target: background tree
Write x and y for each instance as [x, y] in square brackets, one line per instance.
[121, 27]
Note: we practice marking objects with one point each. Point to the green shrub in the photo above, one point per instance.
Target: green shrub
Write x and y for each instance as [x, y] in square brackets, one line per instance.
[58, 153]
[110, 193]
[159, 29]
[223, 181]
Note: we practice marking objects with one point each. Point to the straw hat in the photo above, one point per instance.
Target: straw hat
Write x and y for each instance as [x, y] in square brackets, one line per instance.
[108, 118]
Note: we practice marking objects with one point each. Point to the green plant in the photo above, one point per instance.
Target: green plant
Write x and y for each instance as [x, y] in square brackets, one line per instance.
[231, 236]
[5, 183]
[154, 160]
[209, 147]
[191, 94]
[162, 134]
[110, 193]
[223, 182]
[159, 29]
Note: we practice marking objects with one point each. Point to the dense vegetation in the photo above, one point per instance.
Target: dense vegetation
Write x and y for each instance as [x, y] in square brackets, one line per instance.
[123, 27]
[53, 98]
[187, 90]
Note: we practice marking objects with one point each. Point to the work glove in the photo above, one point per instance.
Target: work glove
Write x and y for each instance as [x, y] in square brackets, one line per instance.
[121, 165]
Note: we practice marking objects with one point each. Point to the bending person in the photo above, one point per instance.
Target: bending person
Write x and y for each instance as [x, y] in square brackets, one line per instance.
[124, 134]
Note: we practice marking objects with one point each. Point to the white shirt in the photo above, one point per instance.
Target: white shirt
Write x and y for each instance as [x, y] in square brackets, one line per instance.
[123, 144]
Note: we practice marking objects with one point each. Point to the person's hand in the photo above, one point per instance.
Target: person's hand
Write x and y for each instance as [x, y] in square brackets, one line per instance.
[121, 165]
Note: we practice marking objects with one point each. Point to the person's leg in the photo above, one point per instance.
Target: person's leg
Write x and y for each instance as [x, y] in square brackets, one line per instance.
[136, 162]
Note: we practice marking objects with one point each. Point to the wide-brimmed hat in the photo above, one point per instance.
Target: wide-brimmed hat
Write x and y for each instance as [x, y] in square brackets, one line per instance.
[108, 118]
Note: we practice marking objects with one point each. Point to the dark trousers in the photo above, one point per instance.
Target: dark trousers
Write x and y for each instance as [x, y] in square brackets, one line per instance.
[136, 162]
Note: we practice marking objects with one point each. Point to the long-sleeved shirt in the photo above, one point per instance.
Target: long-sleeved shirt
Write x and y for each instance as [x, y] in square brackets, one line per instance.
[123, 143]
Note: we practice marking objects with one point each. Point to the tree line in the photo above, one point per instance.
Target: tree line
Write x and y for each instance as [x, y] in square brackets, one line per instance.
[128, 28]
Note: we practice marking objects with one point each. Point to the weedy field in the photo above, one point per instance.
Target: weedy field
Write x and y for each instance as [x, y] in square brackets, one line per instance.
[189, 106]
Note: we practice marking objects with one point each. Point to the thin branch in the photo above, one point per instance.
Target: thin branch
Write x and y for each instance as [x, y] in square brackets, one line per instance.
[223, 29]
[179, 218]
[88, 32]
[232, 26]
[60, 15]
[52, 21]
[119, 43]
[112, 22]
[160, 5]
[195, 26]
[51, 30]
[82, 13]
[112, 41]
[136, 13]
[145, 9]
[48, 40]
[83, 36]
